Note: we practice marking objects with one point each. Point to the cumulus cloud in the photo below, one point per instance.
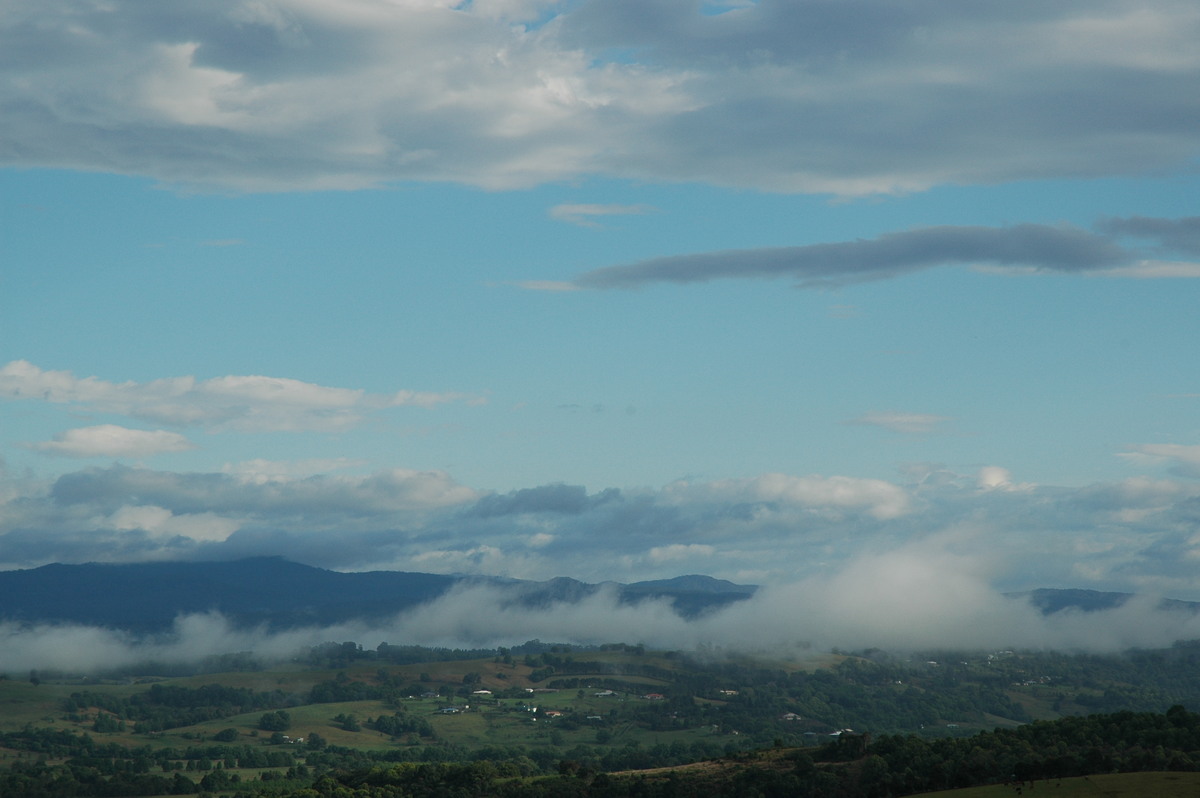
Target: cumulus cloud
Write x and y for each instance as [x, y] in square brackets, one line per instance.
[160, 522]
[1137, 535]
[1019, 248]
[811, 97]
[876, 497]
[262, 470]
[248, 403]
[110, 440]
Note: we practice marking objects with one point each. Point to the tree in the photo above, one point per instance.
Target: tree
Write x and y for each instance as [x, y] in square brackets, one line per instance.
[277, 721]
[348, 722]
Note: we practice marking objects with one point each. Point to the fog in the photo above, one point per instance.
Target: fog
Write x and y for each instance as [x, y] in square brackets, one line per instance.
[914, 598]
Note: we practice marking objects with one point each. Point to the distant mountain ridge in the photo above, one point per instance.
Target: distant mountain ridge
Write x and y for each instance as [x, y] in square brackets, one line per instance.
[278, 593]
[147, 597]
[1050, 600]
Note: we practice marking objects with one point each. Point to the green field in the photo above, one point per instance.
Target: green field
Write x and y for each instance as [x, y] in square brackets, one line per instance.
[591, 712]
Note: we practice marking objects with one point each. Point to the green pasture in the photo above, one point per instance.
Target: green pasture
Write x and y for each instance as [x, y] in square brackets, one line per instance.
[490, 721]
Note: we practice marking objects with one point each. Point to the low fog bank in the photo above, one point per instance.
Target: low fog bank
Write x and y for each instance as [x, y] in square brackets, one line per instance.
[912, 599]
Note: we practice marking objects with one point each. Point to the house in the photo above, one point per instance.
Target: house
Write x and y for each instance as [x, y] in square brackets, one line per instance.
[449, 710]
[789, 716]
[654, 697]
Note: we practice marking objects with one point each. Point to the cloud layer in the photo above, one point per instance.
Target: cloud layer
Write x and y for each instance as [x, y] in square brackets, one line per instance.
[1061, 249]
[808, 96]
[915, 598]
[769, 529]
[110, 440]
[240, 403]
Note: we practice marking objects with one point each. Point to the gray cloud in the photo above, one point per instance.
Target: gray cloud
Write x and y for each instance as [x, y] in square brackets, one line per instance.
[559, 498]
[393, 491]
[773, 528]
[1061, 248]
[812, 97]
[1173, 235]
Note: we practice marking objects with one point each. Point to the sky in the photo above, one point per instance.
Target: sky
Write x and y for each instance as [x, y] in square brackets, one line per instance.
[780, 292]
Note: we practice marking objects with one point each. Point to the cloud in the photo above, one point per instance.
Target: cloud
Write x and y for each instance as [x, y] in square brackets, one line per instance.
[798, 97]
[558, 498]
[582, 215]
[110, 440]
[916, 597]
[162, 523]
[680, 551]
[907, 423]
[553, 286]
[1019, 248]
[260, 470]
[1184, 460]
[244, 403]
[1136, 535]
[878, 498]
[1177, 235]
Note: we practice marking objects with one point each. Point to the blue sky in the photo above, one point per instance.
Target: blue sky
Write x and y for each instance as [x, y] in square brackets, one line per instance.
[611, 290]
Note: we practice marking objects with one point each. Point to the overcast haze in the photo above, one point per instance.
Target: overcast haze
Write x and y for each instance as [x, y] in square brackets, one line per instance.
[777, 292]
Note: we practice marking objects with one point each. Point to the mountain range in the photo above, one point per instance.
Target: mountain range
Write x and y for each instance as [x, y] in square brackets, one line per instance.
[147, 597]
[278, 593]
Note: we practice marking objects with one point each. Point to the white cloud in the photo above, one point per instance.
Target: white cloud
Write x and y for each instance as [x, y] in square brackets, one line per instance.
[163, 523]
[584, 215]
[558, 286]
[908, 423]
[260, 470]
[1184, 459]
[876, 497]
[110, 440]
[234, 402]
[505, 93]
[993, 477]
[997, 478]
[920, 596]
[1156, 270]
[680, 551]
